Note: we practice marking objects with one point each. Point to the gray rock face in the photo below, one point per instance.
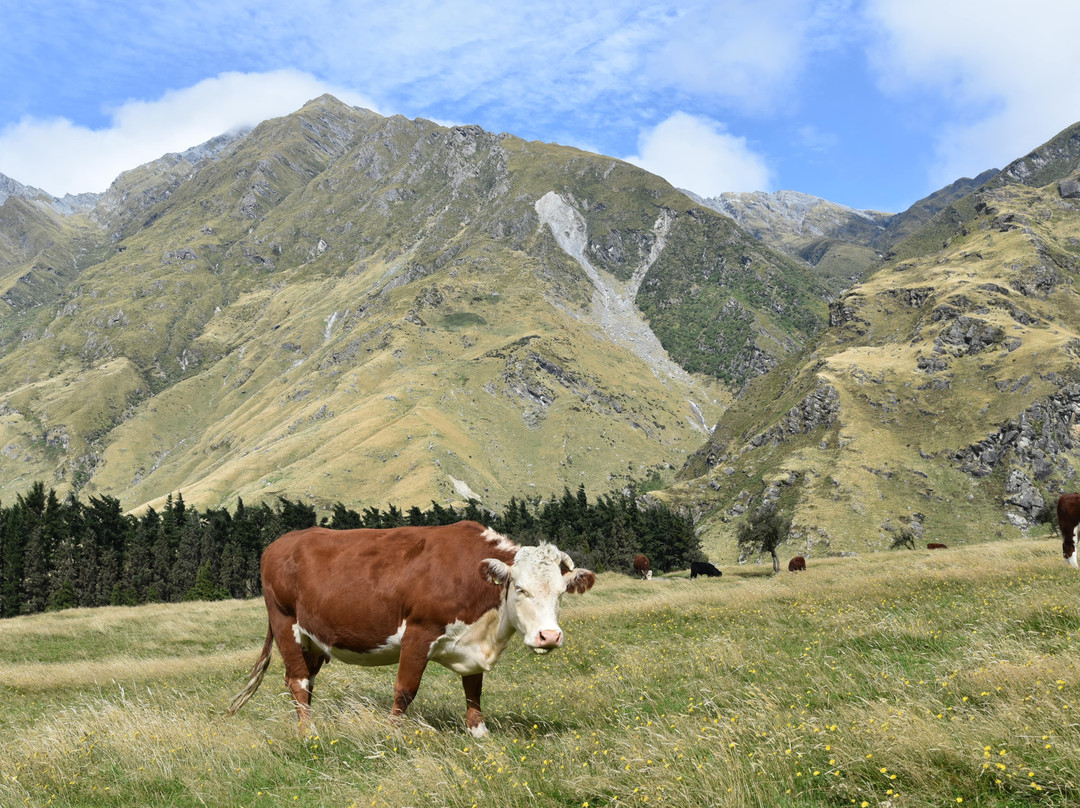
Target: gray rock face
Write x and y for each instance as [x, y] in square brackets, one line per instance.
[967, 335]
[819, 408]
[1034, 445]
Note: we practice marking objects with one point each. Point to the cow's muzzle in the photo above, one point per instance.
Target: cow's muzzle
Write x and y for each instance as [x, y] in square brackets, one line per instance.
[545, 640]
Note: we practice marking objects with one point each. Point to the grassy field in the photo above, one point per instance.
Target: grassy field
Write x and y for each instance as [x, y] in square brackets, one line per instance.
[904, 678]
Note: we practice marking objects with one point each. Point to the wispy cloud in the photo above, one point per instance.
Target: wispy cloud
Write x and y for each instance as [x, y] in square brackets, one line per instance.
[529, 68]
[1007, 71]
[88, 89]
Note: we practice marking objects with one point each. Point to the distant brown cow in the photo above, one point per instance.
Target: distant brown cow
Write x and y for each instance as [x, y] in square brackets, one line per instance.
[453, 594]
[936, 546]
[1068, 514]
[797, 564]
[642, 567]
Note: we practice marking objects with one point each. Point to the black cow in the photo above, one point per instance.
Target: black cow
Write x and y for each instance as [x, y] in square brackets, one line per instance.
[703, 568]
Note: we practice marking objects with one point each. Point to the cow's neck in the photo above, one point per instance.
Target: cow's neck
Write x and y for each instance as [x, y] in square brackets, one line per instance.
[468, 648]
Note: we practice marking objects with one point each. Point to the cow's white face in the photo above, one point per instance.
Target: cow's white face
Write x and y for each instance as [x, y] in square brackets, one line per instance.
[538, 579]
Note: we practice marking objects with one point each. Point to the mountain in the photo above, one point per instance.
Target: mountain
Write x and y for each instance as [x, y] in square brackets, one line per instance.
[844, 244]
[69, 203]
[941, 402]
[351, 308]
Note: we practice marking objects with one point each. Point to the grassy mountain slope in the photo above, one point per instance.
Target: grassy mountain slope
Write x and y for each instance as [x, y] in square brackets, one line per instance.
[369, 310]
[941, 400]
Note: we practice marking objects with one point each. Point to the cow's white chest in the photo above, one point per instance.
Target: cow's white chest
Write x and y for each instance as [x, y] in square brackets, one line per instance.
[468, 648]
[386, 654]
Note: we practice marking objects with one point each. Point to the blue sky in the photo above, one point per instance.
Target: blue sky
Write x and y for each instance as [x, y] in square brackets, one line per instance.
[869, 103]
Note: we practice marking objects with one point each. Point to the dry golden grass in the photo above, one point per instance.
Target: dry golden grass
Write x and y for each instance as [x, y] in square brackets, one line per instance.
[899, 679]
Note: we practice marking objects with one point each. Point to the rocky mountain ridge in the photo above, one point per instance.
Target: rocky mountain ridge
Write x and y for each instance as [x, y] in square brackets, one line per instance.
[842, 243]
[66, 205]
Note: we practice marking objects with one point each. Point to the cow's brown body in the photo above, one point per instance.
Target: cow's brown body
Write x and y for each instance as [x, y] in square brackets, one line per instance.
[797, 564]
[406, 595]
[1068, 514]
[936, 545]
[642, 566]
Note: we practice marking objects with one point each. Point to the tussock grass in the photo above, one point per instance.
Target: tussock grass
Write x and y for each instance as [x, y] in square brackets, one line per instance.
[907, 678]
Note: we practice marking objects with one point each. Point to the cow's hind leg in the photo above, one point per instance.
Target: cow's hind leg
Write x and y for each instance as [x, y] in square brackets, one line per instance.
[474, 719]
[302, 662]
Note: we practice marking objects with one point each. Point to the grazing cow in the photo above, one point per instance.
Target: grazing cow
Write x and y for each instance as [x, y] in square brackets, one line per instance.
[453, 594]
[936, 546]
[642, 567]
[797, 564]
[1068, 514]
[703, 568]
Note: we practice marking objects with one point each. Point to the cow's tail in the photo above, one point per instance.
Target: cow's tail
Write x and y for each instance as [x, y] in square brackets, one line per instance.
[257, 673]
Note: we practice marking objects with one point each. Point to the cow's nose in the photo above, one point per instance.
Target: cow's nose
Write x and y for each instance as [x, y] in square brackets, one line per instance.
[552, 638]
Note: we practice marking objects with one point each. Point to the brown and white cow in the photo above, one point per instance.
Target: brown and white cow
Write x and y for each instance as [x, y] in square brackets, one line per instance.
[797, 564]
[642, 567]
[453, 594]
[1068, 514]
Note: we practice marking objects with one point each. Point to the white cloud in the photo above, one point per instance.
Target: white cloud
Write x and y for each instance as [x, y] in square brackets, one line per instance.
[61, 157]
[698, 154]
[1008, 72]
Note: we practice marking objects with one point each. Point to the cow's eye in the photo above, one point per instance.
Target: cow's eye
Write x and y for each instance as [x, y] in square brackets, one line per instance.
[521, 590]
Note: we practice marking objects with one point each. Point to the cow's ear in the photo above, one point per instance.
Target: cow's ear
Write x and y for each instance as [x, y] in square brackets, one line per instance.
[494, 571]
[566, 563]
[579, 581]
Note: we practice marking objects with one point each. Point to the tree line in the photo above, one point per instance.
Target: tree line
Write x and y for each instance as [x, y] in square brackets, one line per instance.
[58, 554]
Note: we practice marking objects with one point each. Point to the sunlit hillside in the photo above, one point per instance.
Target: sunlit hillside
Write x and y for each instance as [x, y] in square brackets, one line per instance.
[942, 400]
[345, 307]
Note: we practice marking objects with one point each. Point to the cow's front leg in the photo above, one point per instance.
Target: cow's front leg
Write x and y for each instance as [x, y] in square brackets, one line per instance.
[415, 646]
[474, 719]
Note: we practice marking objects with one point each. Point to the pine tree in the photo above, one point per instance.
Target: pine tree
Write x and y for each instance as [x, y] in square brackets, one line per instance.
[36, 564]
[204, 587]
[186, 565]
[63, 597]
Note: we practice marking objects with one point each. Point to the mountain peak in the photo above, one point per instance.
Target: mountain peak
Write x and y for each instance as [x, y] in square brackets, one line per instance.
[66, 205]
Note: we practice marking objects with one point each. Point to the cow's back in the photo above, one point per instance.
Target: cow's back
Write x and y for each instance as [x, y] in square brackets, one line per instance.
[354, 588]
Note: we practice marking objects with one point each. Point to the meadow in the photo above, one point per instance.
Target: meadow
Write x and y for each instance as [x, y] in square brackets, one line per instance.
[894, 679]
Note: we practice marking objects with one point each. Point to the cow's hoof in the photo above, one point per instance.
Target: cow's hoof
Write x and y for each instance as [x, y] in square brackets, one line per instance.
[479, 731]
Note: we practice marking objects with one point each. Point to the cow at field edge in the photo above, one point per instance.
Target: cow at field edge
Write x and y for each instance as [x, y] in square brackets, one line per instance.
[642, 567]
[703, 568]
[1068, 514]
[452, 594]
[935, 545]
[797, 564]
